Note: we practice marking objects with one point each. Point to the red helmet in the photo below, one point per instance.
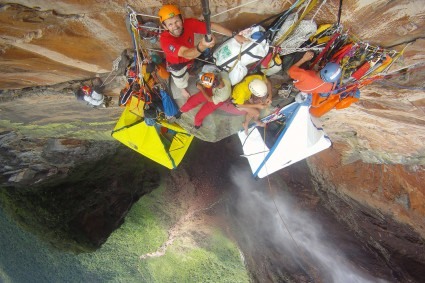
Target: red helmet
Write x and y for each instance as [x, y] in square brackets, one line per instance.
[87, 90]
[131, 73]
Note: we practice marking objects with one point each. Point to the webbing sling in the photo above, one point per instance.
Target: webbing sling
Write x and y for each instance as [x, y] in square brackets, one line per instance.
[327, 47]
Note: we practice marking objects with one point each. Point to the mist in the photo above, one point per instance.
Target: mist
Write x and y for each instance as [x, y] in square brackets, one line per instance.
[282, 235]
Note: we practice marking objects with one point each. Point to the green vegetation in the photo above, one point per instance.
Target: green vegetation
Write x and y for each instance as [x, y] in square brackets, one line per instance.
[77, 130]
[144, 232]
[219, 262]
[194, 256]
[78, 213]
[24, 258]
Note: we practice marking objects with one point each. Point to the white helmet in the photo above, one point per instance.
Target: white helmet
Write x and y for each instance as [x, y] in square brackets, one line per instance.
[258, 87]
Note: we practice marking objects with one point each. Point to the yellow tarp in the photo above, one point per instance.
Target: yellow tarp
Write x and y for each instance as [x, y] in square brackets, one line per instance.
[164, 143]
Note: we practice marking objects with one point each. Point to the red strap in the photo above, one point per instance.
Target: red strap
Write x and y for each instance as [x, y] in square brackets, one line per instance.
[265, 62]
[337, 57]
[361, 71]
[328, 45]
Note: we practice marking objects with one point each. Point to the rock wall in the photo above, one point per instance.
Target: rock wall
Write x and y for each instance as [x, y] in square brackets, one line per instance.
[44, 43]
[378, 153]
[59, 41]
[394, 190]
[377, 157]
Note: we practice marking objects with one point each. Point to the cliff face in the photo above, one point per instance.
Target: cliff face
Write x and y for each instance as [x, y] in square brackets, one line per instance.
[44, 43]
[378, 154]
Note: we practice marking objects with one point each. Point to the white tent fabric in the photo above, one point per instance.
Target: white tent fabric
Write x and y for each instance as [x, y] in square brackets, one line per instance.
[301, 138]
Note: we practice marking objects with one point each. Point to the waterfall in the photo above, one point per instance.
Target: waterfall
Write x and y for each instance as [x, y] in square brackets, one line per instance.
[277, 229]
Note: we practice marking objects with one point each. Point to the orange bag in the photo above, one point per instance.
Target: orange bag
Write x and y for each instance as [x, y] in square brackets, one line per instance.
[162, 71]
[325, 106]
[316, 99]
[346, 102]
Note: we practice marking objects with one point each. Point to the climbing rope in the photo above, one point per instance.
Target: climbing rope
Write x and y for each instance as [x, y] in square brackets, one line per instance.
[415, 66]
[307, 7]
[301, 252]
[115, 64]
[318, 9]
[339, 12]
[237, 7]
[400, 86]
[133, 12]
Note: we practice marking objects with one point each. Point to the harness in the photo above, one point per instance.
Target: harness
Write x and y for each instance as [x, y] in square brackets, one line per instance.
[177, 67]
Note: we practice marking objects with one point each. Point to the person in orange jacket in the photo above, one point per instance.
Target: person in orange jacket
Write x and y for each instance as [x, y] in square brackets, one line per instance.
[310, 81]
[321, 85]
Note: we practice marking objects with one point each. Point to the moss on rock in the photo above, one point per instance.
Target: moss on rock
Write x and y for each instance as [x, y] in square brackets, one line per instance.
[79, 212]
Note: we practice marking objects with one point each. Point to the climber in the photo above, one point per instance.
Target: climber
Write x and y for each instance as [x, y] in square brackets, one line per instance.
[251, 95]
[322, 86]
[214, 90]
[317, 84]
[92, 98]
[178, 43]
[309, 81]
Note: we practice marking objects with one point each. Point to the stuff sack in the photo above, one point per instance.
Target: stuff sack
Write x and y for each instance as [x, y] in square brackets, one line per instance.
[248, 52]
[169, 105]
[237, 73]
[290, 20]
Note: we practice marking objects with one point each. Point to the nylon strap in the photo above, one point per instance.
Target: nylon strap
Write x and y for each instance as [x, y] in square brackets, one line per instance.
[307, 10]
[339, 11]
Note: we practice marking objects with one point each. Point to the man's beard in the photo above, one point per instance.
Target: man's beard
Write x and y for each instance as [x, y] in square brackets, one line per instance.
[177, 35]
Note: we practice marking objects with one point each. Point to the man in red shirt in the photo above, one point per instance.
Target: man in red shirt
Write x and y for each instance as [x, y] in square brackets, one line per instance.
[178, 44]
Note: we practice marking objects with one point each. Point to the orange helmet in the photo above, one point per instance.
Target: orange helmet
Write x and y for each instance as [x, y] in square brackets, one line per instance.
[167, 12]
[209, 80]
[86, 89]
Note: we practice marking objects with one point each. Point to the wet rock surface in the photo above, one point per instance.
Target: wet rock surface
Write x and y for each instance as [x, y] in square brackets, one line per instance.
[92, 199]
[313, 234]
[28, 161]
